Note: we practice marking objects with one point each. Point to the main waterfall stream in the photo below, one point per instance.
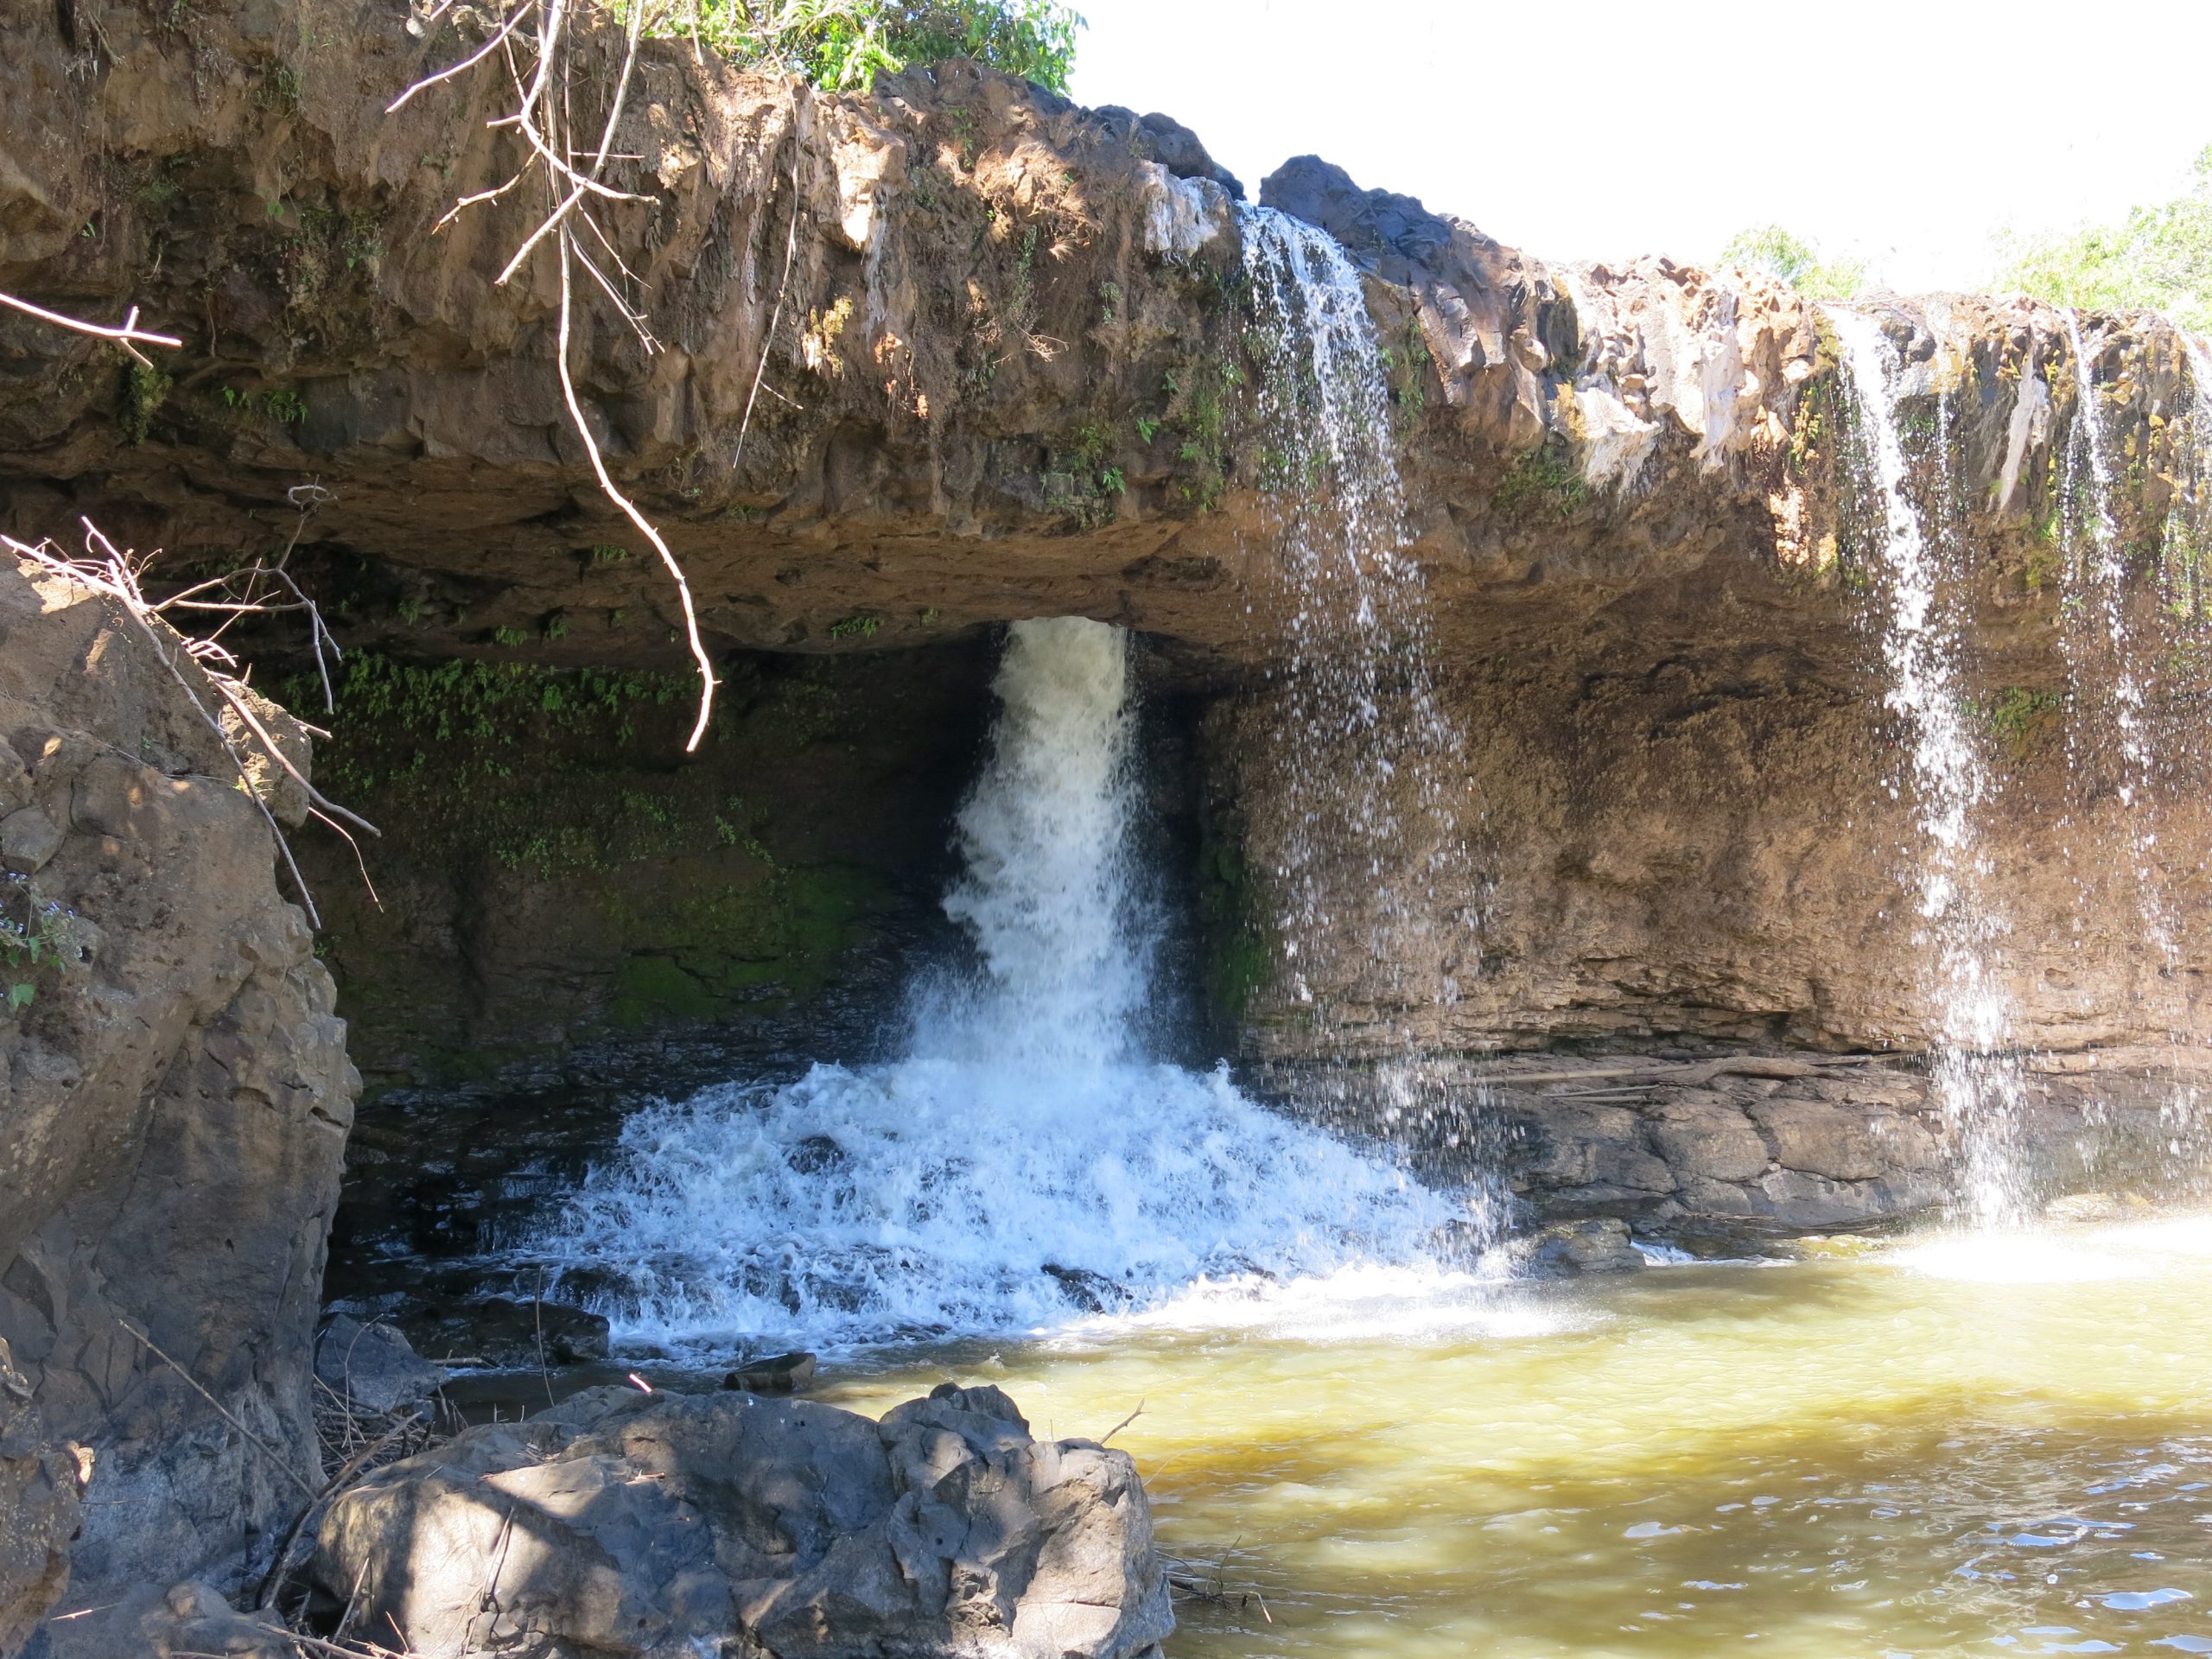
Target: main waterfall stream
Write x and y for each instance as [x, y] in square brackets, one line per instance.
[1026, 1161]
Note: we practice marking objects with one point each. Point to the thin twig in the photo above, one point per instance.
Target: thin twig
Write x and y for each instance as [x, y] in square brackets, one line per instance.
[775, 317]
[537, 1308]
[464, 65]
[361, 863]
[1123, 1424]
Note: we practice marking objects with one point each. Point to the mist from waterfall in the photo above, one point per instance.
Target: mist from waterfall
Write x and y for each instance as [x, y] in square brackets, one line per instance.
[1976, 1079]
[1025, 1163]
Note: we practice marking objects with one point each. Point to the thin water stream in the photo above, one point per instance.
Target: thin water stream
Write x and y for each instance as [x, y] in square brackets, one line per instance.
[1976, 1078]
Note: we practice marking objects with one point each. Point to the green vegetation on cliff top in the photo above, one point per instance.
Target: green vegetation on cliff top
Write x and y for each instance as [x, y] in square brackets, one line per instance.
[2159, 258]
[842, 44]
[1792, 259]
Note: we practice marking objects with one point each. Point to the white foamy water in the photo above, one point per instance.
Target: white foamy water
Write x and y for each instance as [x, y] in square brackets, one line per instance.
[2060, 1256]
[1365, 1302]
[1978, 1086]
[1026, 1164]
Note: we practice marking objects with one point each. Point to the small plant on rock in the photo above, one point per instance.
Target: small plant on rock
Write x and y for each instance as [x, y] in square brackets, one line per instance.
[38, 936]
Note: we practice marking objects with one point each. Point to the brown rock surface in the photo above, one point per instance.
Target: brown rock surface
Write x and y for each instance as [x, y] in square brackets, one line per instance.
[174, 1108]
[1006, 384]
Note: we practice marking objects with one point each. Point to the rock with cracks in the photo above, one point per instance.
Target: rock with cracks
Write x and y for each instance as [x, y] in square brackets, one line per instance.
[660, 1525]
[173, 1100]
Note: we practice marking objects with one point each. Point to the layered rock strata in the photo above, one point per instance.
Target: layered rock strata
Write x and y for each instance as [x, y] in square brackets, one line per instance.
[1006, 375]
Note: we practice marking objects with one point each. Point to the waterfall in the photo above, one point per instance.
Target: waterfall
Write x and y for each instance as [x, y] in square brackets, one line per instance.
[2098, 642]
[1025, 1163]
[1371, 754]
[1978, 1084]
[1376, 917]
[1046, 892]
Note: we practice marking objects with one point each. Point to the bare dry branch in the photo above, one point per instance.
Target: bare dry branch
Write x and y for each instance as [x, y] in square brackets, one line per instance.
[113, 575]
[465, 65]
[1123, 1424]
[540, 114]
[707, 678]
[130, 335]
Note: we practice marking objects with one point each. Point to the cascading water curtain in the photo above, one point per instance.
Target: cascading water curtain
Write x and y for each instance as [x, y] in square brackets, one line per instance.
[2105, 659]
[1974, 1076]
[1373, 857]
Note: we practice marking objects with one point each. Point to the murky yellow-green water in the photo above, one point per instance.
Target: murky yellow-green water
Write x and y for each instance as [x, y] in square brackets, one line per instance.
[1997, 1447]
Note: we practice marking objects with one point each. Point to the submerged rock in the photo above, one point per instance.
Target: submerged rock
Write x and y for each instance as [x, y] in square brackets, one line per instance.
[1091, 1291]
[1568, 1249]
[784, 1374]
[667, 1524]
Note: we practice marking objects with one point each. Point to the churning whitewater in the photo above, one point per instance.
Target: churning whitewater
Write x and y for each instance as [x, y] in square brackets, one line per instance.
[1026, 1164]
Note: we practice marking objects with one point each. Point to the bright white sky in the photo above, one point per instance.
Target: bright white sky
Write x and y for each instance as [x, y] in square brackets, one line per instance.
[1907, 131]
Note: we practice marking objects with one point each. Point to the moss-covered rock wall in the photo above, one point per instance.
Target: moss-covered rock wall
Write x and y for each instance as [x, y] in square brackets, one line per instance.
[558, 878]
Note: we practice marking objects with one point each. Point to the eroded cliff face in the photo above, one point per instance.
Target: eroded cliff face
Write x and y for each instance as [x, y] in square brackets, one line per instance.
[1009, 373]
[174, 1114]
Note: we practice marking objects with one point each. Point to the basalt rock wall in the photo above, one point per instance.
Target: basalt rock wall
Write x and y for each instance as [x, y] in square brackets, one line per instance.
[998, 342]
[917, 362]
[176, 1098]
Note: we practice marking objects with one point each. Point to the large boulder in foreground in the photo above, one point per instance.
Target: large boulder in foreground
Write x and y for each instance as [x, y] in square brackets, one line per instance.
[623, 1523]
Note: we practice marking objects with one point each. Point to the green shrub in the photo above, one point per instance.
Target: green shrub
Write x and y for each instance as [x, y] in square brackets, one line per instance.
[1787, 258]
[2159, 258]
[842, 44]
[36, 935]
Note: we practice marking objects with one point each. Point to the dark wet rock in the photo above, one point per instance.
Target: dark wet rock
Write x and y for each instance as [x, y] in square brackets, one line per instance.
[505, 1333]
[1093, 1292]
[372, 1368]
[671, 1523]
[815, 1153]
[791, 1373]
[1569, 1250]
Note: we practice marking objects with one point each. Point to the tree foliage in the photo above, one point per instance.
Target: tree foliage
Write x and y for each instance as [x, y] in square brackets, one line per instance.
[1792, 259]
[2158, 258]
[842, 44]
